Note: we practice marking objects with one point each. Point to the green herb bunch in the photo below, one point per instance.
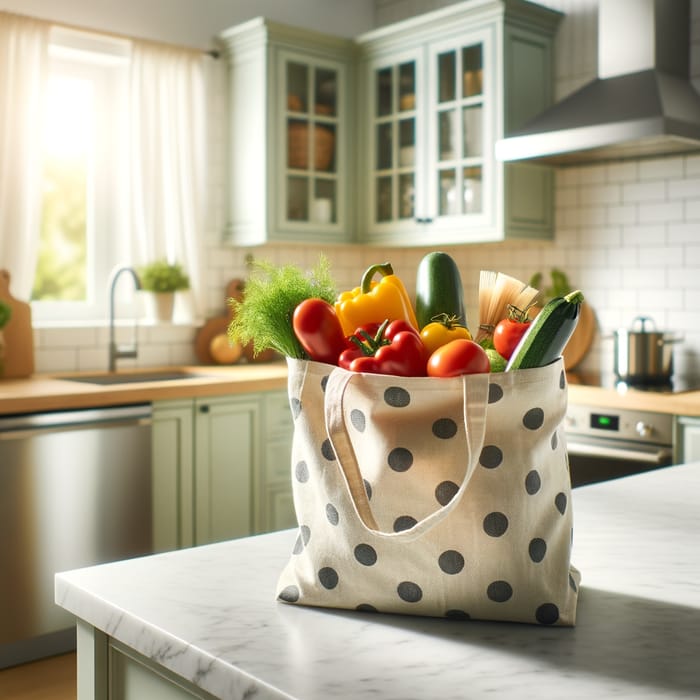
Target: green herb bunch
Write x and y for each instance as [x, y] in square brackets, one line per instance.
[162, 276]
[271, 295]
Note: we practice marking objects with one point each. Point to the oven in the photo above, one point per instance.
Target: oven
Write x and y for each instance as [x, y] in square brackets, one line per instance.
[606, 443]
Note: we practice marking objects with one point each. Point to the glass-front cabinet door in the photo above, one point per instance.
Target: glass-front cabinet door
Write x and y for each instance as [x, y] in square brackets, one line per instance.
[395, 142]
[430, 120]
[457, 109]
[311, 132]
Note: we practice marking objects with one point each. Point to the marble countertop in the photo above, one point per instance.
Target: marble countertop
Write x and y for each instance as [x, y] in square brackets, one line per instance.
[209, 614]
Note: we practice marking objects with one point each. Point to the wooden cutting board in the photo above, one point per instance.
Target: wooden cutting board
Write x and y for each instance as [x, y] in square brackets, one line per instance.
[581, 339]
[216, 325]
[18, 334]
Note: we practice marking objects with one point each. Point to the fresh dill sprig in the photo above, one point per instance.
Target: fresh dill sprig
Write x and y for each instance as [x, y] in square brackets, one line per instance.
[271, 295]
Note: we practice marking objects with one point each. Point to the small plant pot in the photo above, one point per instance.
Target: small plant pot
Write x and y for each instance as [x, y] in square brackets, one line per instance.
[163, 304]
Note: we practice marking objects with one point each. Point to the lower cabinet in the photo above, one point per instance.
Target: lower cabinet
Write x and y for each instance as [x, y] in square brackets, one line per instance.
[221, 468]
[109, 670]
[687, 439]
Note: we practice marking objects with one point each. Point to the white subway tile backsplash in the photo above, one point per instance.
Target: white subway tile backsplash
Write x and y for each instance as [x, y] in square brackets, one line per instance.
[644, 191]
[56, 360]
[683, 232]
[622, 214]
[661, 257]
[605, 193]
[661, 211]
[644, 278]
[684, 189]
[691, 257]
[664, 299]
[687, 278]
[656, 168]
[643, 234]
[624, 171]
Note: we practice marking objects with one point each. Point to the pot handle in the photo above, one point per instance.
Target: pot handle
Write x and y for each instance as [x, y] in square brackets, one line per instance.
[670, 339]
[643, 321]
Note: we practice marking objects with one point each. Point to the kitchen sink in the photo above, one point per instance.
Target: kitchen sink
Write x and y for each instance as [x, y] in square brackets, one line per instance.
[133, 377]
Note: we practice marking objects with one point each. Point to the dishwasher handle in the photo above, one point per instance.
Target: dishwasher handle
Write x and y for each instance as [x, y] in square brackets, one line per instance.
[28, 425]
[661, 456]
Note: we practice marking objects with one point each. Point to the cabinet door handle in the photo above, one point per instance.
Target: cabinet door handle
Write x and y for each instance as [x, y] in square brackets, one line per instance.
[424, 220]
[204, 409]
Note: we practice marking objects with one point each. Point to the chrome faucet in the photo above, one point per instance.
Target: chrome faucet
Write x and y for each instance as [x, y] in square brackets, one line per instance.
[115, 351]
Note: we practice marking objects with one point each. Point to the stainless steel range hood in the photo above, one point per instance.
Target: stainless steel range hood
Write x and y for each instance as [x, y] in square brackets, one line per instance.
[642, 103]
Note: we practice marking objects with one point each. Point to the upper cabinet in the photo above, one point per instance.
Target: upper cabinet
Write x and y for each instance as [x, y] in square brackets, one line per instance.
[439, 89]
[389, 139]
[289, 93]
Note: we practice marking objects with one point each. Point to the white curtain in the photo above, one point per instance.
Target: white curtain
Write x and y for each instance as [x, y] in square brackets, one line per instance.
[168, 147]
[24, 46]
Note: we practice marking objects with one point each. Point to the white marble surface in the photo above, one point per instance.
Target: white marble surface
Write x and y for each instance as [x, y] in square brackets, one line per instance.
[209, 614]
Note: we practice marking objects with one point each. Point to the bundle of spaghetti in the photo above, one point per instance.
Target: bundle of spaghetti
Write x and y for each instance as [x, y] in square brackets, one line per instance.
[497, 292]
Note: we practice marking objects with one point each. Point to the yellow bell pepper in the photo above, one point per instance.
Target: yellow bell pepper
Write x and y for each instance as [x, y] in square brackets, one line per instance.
[374, 301]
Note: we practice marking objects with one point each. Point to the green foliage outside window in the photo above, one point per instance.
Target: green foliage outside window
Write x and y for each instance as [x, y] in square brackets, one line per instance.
[62, 264]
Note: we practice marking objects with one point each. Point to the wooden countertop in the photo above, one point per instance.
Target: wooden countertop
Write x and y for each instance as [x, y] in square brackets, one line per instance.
[682, 404]
[43, 392]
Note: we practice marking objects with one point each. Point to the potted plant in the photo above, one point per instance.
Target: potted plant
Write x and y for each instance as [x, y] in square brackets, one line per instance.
[163, 279]
[5, 314]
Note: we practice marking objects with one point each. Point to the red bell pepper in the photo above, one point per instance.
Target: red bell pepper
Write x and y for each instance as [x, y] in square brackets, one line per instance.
[363, 343]
[396, 349]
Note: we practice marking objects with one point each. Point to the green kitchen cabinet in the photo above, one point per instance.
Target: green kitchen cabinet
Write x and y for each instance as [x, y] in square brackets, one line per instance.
[227, 440]
[289, 136]
[687, 439]
[437, 91]
[274, 506]
[389, 138]
[172, 459]
[221, 468]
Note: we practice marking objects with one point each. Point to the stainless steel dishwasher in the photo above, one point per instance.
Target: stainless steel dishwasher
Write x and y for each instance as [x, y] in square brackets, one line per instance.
[75, 490]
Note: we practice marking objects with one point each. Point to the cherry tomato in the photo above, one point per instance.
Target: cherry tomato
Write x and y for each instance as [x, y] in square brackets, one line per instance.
[507, 335]
[437, 333]
[460, 356]
[318, 329]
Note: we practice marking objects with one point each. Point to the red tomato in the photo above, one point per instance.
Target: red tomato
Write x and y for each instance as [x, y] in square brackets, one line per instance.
[318, 329]
[507, 335]
[460, 356]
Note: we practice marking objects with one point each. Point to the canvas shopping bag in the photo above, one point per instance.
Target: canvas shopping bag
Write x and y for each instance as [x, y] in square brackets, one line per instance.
[432, 496]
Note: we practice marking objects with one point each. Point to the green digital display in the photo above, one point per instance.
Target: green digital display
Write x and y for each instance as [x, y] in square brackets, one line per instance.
[604, 421]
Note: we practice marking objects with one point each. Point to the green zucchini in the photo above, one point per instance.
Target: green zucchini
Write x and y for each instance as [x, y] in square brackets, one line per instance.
[548, 333]
[439, 290]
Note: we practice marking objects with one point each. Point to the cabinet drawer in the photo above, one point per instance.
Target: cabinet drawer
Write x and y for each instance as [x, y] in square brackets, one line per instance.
[278, 416]
[278, 461]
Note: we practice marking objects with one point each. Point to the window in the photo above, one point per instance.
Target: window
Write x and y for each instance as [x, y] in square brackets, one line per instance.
[83, 225]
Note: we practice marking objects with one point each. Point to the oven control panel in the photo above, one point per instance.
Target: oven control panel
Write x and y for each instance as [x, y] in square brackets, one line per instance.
[640, 426]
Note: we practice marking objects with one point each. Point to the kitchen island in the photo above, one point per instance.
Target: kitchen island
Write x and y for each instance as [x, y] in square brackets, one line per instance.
[204, 622]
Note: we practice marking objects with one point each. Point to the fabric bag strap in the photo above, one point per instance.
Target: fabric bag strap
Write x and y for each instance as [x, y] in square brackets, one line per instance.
[475, 388]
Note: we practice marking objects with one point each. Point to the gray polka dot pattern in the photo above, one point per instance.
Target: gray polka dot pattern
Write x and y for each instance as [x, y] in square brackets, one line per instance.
[393, 463]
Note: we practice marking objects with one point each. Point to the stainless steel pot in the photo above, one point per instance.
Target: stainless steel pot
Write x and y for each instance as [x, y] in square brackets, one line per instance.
[643, 354]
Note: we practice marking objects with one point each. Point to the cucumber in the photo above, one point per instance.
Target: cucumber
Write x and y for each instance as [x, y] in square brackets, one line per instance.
[439, 290]
[548, 334]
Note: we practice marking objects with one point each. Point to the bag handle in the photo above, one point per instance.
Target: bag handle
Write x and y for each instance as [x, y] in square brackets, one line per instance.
[475, 389]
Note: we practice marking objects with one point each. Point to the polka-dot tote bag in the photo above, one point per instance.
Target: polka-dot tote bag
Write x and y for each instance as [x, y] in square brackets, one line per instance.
[431, 496]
